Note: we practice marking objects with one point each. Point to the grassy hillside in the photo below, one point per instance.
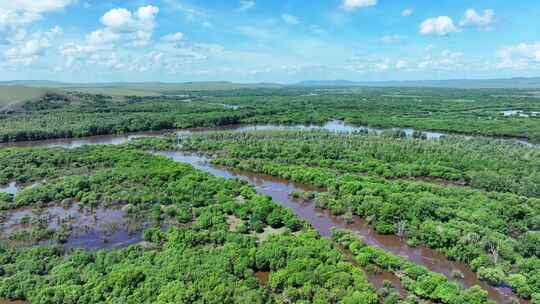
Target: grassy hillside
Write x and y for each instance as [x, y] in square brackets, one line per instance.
[144, 88]
[11, 95]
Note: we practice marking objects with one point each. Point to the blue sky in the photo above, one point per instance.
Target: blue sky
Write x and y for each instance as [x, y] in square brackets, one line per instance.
[268, 40]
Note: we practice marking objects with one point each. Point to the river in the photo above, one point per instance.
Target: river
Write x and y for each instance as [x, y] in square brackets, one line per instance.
[323, 221]
[337, 126]
[279, 190]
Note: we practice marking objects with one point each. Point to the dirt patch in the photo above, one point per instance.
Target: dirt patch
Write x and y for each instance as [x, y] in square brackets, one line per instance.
[269, 231]
[233, 222]
[262, 276]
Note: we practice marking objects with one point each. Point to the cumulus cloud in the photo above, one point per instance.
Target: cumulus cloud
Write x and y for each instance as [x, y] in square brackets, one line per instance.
[109, 60]
[26, 49]
[401, 64]
[384, 65]
[438, 26]
[519, 56]
[482, 21]
[407, 12]
[445, 60]
[290, 19]
[391, 39]
[135, 28]
[246, 5]
[35, 6]
[450, 54]
[14, 14]
[173, 37]
[351, 5]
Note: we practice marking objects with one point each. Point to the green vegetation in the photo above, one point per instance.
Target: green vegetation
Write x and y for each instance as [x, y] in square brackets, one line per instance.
[494, 232]
[221, 234]
[12, 96]
[213, 240]
[98, 115]
[485, 164]
[416, 279]
[462, 111]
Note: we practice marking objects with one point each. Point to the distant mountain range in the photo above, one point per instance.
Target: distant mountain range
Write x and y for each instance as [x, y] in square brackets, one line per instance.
[517, 83]
[171, 88]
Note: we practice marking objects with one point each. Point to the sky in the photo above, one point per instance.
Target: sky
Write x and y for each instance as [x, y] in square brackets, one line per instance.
[283, 41]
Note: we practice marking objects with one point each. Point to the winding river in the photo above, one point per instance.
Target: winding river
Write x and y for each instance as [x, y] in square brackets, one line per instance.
[279, 190]
[323, 221]
[332, 126]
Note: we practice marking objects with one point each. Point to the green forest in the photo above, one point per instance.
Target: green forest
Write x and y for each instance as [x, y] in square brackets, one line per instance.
[126, 222]
[203, 257]
[473, 111]
[442, 194]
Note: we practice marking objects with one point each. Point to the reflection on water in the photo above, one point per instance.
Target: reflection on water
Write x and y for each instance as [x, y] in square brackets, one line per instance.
[323, 221]
[11, 188]
[97, 228]
[109, 228]
[333, 126]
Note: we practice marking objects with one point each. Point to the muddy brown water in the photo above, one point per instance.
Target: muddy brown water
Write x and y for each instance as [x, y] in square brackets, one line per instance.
[333, 126]
[323, 221]
[279, 190]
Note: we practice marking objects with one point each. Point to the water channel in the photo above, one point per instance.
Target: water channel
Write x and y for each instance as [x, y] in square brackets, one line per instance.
[278, 189]
[323, 221]
[337, 126]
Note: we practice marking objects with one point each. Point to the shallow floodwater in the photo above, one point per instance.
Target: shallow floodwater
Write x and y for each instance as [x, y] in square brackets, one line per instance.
[100, 228]
[13, 187]
[123, 234]
[280, 189]
[337, 126]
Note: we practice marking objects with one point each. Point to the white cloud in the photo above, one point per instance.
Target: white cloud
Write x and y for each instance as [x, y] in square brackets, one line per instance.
[351, 5]
[520, 56]
[136, 29]
[450, 54]
[109, 61]
[103, 36]
[12, 19]
[484, 21]
[72, 52]
[438, 26]
[173, 37]
[56, 30]
[383, 66]
[391, 39]
[191, 12]
[445, 60]
[407, 12]
[17, 13]
[246, 5]
[402, 64]
[119, 20]
[26, 49]
[35, 6]
[207, 24]
[290, 19]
